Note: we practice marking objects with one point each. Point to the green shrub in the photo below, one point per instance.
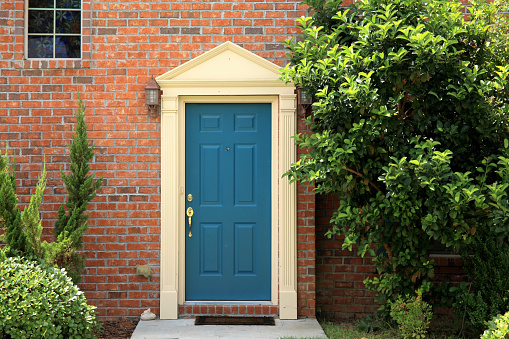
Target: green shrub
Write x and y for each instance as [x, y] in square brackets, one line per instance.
[497, 328]
[37, 301]
[486, 262]
[10, 215]
[407, 126]
[412, 315]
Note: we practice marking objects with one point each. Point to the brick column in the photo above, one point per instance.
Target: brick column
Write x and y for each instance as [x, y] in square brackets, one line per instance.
[306, 286]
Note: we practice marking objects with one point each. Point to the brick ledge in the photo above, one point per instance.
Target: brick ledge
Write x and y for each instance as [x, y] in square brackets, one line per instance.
[236, 309]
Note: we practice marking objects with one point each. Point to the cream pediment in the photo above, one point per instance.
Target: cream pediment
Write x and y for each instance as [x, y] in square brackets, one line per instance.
[227, 63]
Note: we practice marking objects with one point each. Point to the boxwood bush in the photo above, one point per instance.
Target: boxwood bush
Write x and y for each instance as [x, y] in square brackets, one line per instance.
[37, 301]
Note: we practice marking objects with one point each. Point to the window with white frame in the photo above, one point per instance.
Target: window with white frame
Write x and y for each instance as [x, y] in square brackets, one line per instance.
[53, 29]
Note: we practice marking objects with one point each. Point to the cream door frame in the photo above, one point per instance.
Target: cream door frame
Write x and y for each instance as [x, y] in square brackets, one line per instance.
[229, 74]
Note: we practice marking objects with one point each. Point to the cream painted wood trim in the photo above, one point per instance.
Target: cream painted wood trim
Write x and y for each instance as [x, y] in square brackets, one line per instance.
[246, 87]
[234, 82]
[287, 212]
[283, 239]
[274, 255]
[170, 194]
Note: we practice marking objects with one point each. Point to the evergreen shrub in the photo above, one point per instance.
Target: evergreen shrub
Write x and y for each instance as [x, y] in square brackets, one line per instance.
[38, 301]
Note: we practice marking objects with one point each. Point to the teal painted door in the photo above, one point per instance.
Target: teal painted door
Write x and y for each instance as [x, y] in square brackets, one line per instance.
[228, 167]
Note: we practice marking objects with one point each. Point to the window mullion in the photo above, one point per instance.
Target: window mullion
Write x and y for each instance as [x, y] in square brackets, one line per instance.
[54, 30]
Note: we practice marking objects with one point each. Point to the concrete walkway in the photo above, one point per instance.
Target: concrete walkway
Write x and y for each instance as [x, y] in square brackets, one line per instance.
[185, 329]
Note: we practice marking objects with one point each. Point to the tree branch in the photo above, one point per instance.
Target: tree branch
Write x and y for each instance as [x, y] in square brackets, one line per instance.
[360, 175]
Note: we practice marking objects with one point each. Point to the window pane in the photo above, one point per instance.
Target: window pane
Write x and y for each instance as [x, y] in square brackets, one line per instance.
[40, 22]
[40, 47]
[40, 3]
[68, 47]
[68, 22]
[76, 4]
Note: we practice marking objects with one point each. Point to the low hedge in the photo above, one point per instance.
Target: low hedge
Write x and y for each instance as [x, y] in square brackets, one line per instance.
[37, 301]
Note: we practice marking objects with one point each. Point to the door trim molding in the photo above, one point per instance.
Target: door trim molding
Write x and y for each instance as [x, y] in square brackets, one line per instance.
[247, 88]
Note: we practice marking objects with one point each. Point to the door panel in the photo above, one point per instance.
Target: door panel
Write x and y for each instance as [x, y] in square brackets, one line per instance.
[211, 245]
[245, 176]
[245, 244]
[210, 163]
[228, 152]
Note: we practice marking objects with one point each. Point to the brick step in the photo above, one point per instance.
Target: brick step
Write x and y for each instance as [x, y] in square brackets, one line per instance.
[196, 309]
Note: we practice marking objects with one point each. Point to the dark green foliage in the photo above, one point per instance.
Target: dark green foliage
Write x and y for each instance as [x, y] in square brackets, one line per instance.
[487, 264]
[31, 220]
[10, 215]
[37, 301]
[72, 223]
[408, 129]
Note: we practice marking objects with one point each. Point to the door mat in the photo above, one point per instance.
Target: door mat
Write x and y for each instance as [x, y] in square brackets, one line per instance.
[214, 320]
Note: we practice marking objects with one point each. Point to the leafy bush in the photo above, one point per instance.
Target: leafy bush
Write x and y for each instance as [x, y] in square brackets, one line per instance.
[494, 15]
[487, 264]
[407, 127]
[37, 301]
[498, 328]
[412, 315]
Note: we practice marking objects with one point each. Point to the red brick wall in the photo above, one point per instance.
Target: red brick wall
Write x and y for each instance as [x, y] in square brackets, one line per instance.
[306, 254]
[340, 291]
[339, 273]
[124, 44]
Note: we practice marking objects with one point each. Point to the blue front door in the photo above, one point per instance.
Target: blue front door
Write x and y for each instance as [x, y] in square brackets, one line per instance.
[228, 169]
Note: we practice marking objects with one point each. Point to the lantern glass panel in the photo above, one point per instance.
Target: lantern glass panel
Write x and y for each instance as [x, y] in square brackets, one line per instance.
[151, 97]
[303, 99]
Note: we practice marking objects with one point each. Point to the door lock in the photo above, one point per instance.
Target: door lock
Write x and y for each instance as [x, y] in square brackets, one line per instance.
[189, 197]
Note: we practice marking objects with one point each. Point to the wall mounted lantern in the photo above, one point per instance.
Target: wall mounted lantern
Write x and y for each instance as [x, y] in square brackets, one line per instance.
[152, 98]
[303, 101]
